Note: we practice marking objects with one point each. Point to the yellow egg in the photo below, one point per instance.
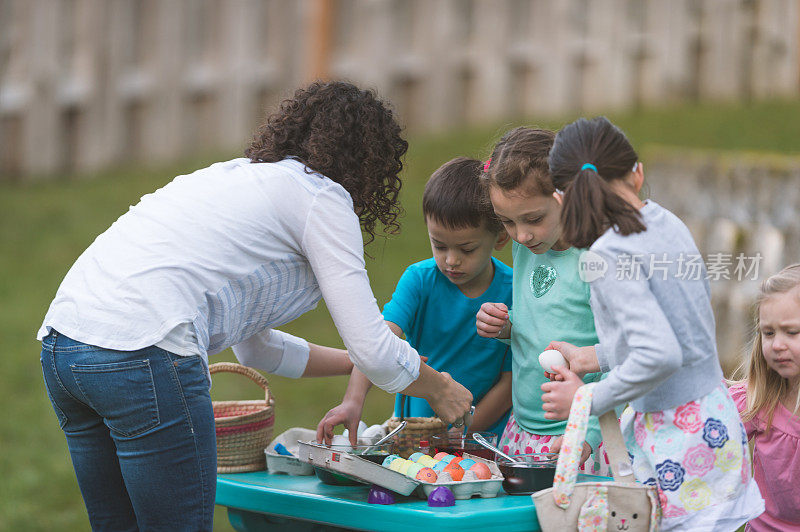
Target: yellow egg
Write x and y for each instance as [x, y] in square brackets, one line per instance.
[397, 464]
[427, 461]
[404, 466]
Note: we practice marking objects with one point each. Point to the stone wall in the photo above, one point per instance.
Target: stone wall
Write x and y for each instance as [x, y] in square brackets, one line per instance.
[744, 212]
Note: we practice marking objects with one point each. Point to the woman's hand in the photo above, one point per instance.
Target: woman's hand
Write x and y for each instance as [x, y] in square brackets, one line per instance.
[449, 399]
[585, 452]
[558, 394]
[348, 414]
[580, 360]
[452, 401]
[492, 321]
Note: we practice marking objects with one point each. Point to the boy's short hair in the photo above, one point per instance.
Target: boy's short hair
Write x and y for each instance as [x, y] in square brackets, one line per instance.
[455, 198]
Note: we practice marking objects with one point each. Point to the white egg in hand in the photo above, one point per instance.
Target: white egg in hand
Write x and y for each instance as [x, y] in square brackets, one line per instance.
[551, 358]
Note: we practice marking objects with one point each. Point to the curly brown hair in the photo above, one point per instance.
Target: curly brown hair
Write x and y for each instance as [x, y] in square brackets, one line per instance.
[346, 134]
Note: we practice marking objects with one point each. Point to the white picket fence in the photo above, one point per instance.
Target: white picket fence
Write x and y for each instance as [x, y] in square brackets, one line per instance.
[89, 83]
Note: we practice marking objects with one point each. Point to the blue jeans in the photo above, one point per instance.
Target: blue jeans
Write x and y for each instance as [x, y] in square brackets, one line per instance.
[140, 430]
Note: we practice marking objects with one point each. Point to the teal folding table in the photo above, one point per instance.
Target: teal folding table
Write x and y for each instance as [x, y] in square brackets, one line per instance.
[264, 501]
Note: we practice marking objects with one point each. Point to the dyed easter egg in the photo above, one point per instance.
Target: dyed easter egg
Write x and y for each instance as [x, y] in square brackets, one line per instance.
[446, 458]
[466, 464]
[389, 459]
[456, 459]
[481, 471]
[455, 471]
[439, 466]
[426, 474]
[439, 456]
[396, 464]
[426, 461]
[415, 457]
[404, 466]
[413, 469]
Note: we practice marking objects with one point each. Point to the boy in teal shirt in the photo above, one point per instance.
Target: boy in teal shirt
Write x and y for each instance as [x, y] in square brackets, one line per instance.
[436, 300]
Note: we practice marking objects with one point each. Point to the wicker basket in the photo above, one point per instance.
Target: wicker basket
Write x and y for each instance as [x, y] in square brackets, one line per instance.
[417, 428]
[244, 428]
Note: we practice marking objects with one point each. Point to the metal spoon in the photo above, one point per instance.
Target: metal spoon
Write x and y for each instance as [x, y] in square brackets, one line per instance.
[397, 429]
[480, 439]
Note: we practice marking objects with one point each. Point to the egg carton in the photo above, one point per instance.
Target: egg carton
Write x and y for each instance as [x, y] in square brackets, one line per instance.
[290, 465]
[366, 472]
[466, 489]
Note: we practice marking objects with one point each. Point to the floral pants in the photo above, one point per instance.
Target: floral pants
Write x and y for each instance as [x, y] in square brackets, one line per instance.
[696, 454]
[516, 440]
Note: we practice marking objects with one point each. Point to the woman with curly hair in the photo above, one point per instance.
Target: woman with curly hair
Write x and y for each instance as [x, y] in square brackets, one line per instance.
[215, 259]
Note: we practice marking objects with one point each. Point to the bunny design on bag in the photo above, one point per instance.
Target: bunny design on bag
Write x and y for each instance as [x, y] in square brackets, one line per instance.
[597, 514]
[625, 521]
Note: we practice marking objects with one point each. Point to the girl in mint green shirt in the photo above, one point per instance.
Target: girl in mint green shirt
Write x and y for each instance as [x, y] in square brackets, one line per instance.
[549, 300]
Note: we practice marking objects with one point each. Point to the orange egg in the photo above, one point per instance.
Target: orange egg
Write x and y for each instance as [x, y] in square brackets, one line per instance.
[426, 474]
[456, 460]
[481, 471]
[455, 470]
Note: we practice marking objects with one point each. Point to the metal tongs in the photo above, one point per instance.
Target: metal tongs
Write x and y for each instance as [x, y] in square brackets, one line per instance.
[480, 439]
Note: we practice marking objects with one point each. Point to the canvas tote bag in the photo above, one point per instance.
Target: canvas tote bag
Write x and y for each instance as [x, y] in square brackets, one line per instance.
[621, 504]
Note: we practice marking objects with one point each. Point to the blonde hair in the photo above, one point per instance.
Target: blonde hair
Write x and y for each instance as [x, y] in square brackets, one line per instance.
[765, 387]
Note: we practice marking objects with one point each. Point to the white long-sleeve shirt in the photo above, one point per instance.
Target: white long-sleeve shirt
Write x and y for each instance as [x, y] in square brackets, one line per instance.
[221, 257]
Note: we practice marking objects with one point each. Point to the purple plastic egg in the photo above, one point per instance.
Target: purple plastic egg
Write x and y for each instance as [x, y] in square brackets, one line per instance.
[441, 496]
[379, 495]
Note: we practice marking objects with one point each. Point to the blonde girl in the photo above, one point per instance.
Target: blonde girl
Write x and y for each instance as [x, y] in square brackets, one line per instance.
[768, 399]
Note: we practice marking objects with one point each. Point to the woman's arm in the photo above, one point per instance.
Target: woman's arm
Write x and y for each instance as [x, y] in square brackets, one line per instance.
[327, 361]
[333, 245]
[494, 404]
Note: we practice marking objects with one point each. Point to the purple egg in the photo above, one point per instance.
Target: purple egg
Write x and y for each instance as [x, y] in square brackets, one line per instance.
[379, 495]
[441, 496]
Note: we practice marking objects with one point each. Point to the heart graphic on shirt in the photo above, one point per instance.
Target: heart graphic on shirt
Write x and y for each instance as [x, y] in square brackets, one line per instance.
[542, 279]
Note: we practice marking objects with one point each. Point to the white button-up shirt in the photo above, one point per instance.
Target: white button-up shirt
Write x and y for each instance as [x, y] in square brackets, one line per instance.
[221, 257]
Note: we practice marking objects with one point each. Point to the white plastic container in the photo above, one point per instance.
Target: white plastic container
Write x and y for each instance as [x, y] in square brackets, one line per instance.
[290, 465]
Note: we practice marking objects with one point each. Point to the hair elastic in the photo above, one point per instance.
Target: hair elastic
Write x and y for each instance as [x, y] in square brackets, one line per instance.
[487, 164]
[589, 165]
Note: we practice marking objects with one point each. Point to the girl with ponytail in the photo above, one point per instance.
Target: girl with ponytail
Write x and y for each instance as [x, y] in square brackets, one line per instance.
[656, 336]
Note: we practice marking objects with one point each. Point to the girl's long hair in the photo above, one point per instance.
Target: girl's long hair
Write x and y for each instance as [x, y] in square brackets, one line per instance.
[765, 387]
[590, 204]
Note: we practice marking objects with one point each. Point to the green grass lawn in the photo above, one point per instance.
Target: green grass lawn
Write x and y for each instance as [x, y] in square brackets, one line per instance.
[46, 225]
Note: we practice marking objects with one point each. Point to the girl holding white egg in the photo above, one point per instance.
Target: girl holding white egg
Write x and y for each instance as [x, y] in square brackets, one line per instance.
[656, 336]
[549, 300]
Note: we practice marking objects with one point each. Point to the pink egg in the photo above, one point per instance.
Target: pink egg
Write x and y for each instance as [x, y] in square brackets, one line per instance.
[439, 456]
[481, 471]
